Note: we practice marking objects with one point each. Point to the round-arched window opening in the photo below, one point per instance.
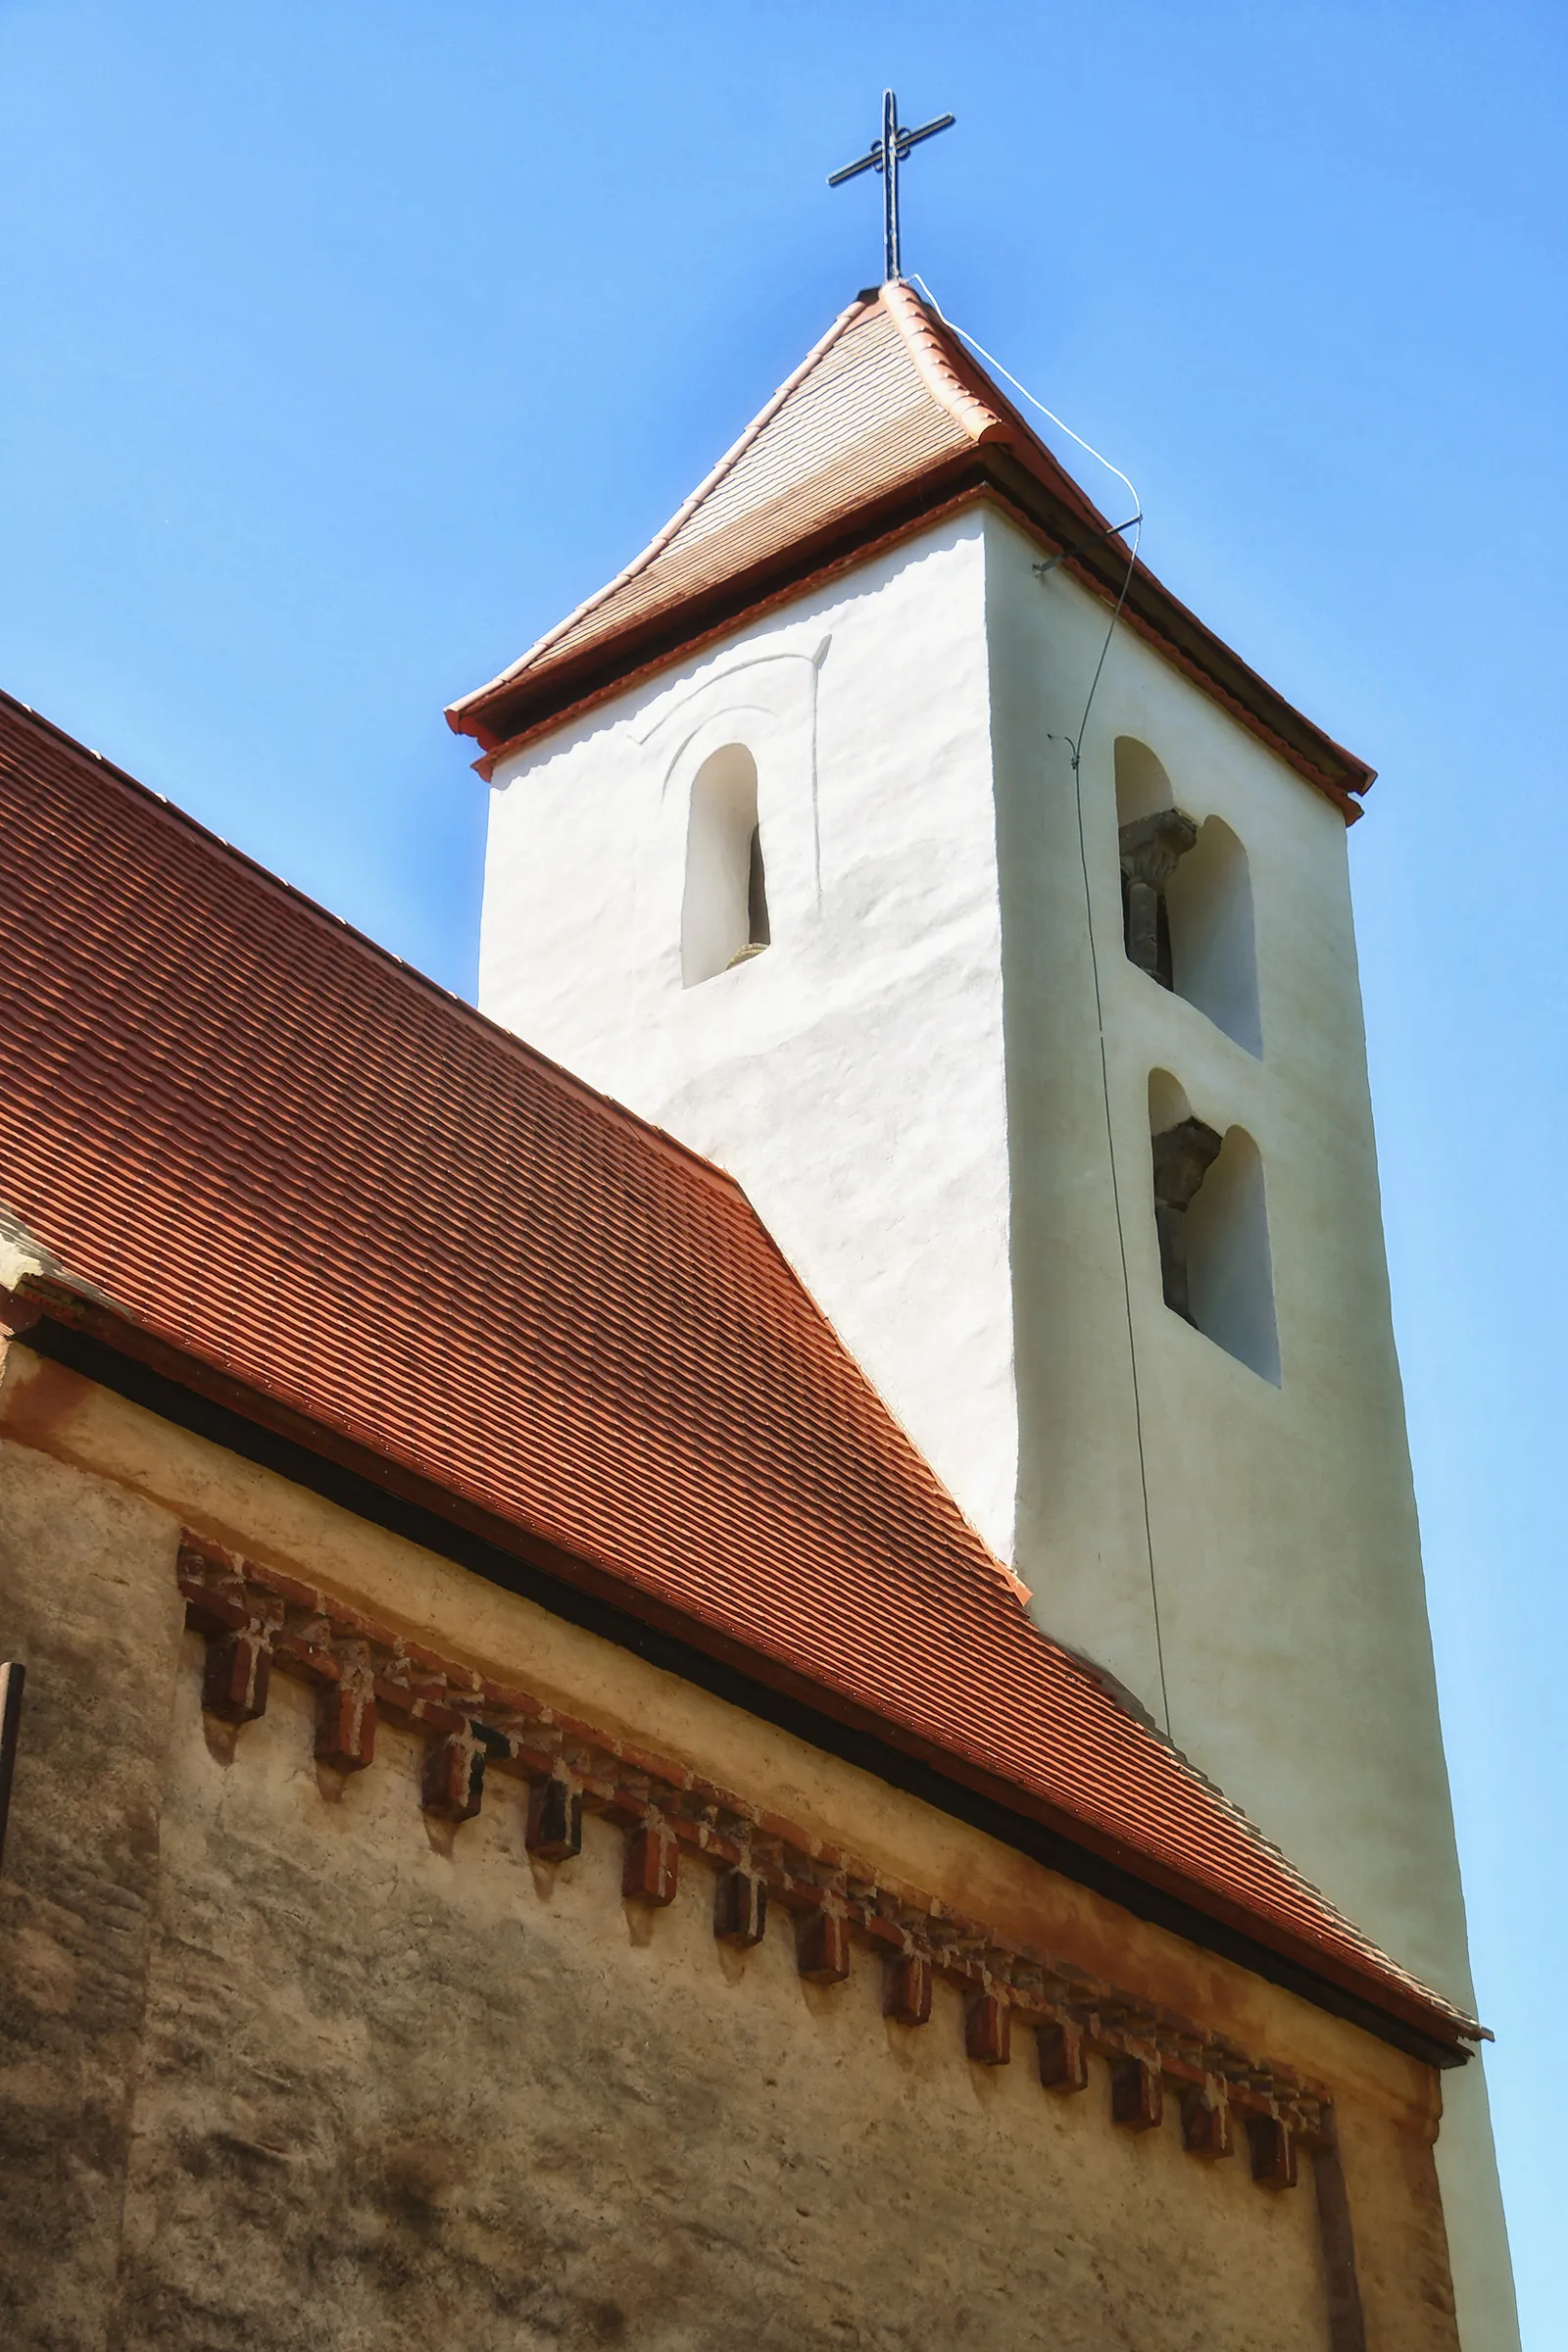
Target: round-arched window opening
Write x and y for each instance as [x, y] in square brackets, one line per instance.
[724, 918]
[1230, 1266]
[1212, 1219]
[1143, 788]
[1213, 946]
[1186, 898]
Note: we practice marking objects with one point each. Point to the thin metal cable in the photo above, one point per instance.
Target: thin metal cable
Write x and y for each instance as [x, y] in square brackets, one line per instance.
[1075, 748]
[1111, 1145]
[981, 352]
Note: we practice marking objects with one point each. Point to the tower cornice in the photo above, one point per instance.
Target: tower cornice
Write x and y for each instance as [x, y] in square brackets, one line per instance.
[959, 443]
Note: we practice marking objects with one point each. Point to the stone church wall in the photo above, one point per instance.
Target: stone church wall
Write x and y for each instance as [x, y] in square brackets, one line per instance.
[284, 2059]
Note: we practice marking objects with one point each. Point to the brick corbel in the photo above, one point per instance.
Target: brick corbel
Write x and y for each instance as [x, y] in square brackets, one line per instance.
[345, 1712]
[452, 1782]
[1064, 2055]
[1272, 2145]
[1137, 2094]
[907, 1989]
[238, 1674]
[822, 1946]
[651, 1870]
[1206, 2122]
[988, 2029]
[554, 1818]
[739, 1907]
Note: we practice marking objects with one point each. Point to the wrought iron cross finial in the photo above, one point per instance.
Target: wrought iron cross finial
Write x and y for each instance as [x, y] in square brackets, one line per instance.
[885, 155]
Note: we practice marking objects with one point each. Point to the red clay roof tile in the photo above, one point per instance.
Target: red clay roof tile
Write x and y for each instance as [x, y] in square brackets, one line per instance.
[284, 1153]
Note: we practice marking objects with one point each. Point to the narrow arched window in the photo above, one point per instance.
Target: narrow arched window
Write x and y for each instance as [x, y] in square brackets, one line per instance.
[1209, 904]
[1152, 837]
[1183, 1150]
[1211, 1218]
[724, 918]
[1186, 899]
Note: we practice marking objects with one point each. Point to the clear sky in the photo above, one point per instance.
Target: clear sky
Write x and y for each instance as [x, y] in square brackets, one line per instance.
[347, 345]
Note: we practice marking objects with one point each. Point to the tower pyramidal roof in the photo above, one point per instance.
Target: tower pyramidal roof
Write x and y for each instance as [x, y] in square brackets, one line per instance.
[885, 426]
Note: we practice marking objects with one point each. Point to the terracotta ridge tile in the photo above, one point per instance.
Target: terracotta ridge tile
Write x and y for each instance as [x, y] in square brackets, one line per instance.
[928, 348]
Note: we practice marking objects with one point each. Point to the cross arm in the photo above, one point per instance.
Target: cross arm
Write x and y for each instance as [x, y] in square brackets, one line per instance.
[871, 160]
[913, 138]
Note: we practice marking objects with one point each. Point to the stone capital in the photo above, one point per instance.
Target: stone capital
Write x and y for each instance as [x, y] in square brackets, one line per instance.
[1152, 847]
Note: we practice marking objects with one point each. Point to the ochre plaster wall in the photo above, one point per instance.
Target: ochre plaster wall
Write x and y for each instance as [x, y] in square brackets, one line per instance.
[284, 2062]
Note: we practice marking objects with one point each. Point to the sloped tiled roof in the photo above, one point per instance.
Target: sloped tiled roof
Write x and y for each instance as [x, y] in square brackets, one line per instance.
[250, 1136]
[886, 422]
[857, 417]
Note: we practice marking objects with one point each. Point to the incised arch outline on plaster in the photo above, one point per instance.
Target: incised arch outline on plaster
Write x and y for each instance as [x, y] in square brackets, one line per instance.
[710, 716]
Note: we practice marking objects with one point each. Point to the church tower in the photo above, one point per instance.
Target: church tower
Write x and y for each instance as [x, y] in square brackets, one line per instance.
[1047, 1073]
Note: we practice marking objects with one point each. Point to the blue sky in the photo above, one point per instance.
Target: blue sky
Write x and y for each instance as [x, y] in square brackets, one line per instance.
[346, 346]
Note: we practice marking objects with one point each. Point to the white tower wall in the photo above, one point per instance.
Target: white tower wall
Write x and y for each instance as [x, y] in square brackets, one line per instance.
[853, 1076]
[909, 1082]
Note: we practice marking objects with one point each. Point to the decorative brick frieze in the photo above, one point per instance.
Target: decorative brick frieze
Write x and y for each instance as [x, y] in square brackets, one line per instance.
[255, 1619]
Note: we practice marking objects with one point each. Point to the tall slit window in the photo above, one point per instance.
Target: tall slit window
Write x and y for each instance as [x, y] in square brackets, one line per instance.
[758, 933]
[725, 917]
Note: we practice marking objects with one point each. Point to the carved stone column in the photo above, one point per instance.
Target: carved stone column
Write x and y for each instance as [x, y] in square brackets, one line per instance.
[1183, 1157]
[1152, 848]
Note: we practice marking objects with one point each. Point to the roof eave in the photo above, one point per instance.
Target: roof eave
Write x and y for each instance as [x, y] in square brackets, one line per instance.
[518, 709]
[55, 1313]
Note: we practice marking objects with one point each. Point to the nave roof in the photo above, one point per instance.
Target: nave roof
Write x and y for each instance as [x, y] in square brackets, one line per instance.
[286, 1173]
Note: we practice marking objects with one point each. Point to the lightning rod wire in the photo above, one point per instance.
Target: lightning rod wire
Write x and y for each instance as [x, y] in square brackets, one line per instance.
[1075, 750]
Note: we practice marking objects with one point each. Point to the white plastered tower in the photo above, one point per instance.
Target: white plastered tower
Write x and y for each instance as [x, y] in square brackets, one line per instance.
[840, 681]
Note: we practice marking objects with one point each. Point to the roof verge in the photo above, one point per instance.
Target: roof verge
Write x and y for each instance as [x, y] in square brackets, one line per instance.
[888, 422]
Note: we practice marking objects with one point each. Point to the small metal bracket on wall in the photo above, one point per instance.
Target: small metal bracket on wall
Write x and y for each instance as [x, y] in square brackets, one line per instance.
[1042, 571]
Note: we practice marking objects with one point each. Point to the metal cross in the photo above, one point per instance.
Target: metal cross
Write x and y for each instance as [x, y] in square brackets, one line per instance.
[885, 155]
